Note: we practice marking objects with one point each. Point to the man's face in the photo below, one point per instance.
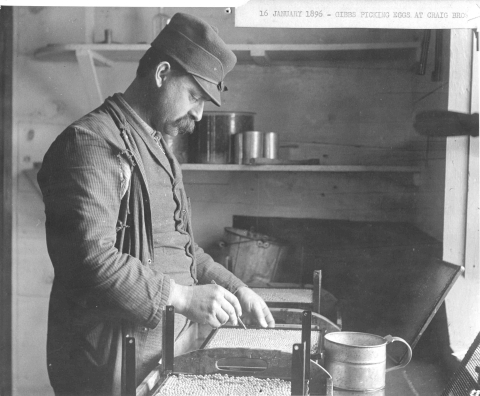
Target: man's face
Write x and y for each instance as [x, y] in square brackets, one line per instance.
[179, 104]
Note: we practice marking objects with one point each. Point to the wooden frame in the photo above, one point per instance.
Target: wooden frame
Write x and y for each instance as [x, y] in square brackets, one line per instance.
[6, 90]
[204, 361]
[260, 363]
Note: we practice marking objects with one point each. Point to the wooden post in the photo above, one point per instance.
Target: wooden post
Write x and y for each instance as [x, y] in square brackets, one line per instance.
[6, 196]
[168, 339]
[460, 237]
[317, 290]
[306, 338]
[130, 366]
[298, 369]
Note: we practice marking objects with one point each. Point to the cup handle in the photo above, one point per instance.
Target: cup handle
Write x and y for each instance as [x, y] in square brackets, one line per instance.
[391, 339]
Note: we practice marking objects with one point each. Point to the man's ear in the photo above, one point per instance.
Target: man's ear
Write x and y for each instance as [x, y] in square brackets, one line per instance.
[163, 68]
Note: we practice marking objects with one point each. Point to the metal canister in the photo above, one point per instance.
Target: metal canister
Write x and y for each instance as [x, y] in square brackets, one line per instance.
[270, 145]
[237, 148]
[252, 145]
[211, 142]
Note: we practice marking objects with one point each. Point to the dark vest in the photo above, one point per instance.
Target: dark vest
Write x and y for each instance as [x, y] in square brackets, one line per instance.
[170, 237]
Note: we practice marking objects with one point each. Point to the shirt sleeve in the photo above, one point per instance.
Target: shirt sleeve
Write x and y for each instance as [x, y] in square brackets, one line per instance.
[81, 185]
[208, 270]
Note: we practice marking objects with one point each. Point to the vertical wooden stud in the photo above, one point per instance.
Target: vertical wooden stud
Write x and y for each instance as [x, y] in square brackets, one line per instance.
[130, 364]
[306, 339]
[168, 338]
[317, 290]
[298, 369]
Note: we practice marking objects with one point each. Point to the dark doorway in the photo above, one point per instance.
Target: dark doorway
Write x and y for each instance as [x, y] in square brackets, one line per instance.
[6, 77]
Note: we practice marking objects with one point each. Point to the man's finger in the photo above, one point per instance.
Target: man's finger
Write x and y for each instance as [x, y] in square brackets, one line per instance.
[268, 317]
[222, 317]
[233, 301]
[258, 312]
[229, 310]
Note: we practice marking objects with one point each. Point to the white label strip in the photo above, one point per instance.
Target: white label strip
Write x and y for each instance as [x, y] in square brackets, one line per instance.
[429, 14]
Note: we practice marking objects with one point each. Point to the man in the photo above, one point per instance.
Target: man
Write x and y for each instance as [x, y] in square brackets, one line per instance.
[118, 221]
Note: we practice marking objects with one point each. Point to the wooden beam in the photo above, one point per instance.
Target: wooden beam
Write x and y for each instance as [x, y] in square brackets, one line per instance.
[460, 237]
[301, 168]
[6, 197]
[456, 171]
[472, 268]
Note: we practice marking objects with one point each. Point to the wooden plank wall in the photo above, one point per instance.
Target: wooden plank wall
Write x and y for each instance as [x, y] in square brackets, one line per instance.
[48, 97]
[340, 115]
[361, 197]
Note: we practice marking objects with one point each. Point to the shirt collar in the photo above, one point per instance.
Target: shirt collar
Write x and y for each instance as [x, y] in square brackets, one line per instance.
[137, 118]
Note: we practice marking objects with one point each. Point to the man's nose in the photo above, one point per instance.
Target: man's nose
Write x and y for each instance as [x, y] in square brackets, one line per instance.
[197, 111]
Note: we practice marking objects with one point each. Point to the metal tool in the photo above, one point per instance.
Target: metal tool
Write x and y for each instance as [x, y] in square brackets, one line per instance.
[238, 317]
[241, 322]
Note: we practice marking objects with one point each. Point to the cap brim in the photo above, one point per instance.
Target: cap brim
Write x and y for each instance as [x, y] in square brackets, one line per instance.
[210, 89]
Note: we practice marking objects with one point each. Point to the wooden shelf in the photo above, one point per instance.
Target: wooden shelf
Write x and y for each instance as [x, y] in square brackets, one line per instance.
[262, 54]
[300, 168]
[89, 56]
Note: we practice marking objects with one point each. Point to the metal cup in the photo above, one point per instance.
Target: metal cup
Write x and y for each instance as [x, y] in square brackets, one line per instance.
[252, 145]
[357, 361]
[270, 145]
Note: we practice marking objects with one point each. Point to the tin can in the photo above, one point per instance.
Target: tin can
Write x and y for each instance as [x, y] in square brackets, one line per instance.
[237, 148]
[270, 145]
[211, 142]
[252, 145]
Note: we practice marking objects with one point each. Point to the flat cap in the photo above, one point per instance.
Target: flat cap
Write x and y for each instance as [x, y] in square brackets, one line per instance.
[198, 48]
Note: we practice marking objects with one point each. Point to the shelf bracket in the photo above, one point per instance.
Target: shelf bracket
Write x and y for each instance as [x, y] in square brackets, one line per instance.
[86, 62]
[100, 60]
[260, 56]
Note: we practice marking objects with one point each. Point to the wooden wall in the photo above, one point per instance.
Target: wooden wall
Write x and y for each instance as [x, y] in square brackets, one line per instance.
[46, 98]
[341, 112]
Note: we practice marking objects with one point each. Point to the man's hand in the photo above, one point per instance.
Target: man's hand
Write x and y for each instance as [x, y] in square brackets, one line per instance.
[254, 307]
[206, 304]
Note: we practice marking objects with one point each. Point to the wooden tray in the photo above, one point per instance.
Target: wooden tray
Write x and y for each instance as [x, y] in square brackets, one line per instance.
[240, 362]
[281, 339]
[295, 366]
